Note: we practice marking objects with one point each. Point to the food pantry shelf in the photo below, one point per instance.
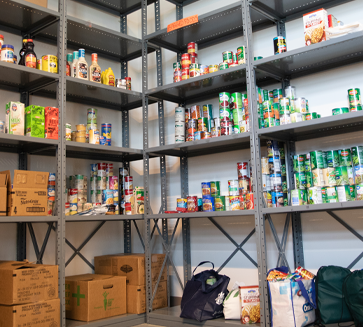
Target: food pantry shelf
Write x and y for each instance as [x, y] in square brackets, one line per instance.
[78, 218]
[202, 87]
[202, 214]
[315, 58]
[28, 219]
[126, 320]
[25, 16]
[170, 317]
[326, 126]
[31, 145]
[315, 207]
[97, 151]
[203, 147]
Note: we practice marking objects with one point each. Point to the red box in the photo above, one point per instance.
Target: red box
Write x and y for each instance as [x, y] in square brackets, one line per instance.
[51, 123]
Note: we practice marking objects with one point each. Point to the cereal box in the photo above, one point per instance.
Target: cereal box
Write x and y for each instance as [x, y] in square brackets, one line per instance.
[315, 24]
[51, 123]
[14, 120]
[250, 304]
[34, 121]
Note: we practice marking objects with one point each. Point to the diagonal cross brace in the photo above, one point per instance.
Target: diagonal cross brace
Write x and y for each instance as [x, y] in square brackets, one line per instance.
[277, 241]
[353, 231]
[138, 232]
[284, 239]
[238, 246]
[39, 254]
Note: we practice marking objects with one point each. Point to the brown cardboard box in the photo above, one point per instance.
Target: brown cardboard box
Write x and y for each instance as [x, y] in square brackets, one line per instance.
[91, 297]
[38, 314]
[24, 282]
[136, 298]
[130, 265]
[4, 178]
[43, 3]
[28, 195]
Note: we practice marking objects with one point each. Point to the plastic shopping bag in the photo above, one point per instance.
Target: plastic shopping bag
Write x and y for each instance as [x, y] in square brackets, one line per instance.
[292, 303]
[231, 304]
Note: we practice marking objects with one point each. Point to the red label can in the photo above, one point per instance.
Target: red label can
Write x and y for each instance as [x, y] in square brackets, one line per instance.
[177, 76]
[250, 203]
[224, 127]
[194, 58]
[242, 169]
[185, 60]
[192, 203]
[192, 47]
[185, 73]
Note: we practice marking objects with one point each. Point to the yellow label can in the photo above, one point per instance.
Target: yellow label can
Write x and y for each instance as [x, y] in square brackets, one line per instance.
[50, 64]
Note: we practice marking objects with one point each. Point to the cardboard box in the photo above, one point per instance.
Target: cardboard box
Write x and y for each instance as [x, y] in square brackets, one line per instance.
[39, 314]
[24, 282]
[130, 265]
[3, 194]
[43, 3]
[34, 121]
[14, 118]
[51, 128]
[315, 24]
[136, 298]
[91, 297]
[28, 194]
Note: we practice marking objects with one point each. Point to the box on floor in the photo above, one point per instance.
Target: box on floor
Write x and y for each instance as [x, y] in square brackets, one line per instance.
[91, 297]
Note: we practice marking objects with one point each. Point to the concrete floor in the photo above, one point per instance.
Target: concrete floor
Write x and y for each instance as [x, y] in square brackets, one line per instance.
[146, 325]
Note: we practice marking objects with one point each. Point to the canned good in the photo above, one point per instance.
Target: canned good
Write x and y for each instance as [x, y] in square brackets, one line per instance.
[316, 159]
[192, 203]
[208, 203]
[195, 112]
[198, 136]
[204, 69]
[341, 175]
[233, 187]
[185, 60]
[355, 103]
[106, 133]
[332, 158]
[203, 125]
[279, 44]
[359, 192]
[206, 188]
[178, 76]
[73, 194]
[315, 195]
[264, 165]
[192, 47]
[298, 197]
[331, 194]
[182, 203]
[300, 180]
[179, 128]
[277, 95]
[227, 57]
[269, 122]
[290, 92]
[219, 203]
[185, 73]
[243, 169]
[223, 66]
[358, 174]
[299, 163]
[357, 155]
[345, 158]
[213, 68]
[329, 177]
[241, 55]
[278, 199]
[215, 188]
[193, 58]
[339, 111]
[307, 162]
[194, 70]
[309, 179]
[50, 64]
[244, 185]
[345, 193]
[234, 202]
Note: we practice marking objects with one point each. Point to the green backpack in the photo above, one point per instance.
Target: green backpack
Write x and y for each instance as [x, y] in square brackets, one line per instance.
[353, 293]
[329, 292]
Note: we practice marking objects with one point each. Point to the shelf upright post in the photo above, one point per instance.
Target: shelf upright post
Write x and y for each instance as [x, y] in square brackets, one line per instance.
[256, 164]
[61, 156]
[296, 216]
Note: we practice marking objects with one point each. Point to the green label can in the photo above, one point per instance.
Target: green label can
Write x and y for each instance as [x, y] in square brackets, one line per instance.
[265, 96]
[224, 99]
[307, 162]
[331, 194]
[300, 180]
[325, 160]
[318, 177]
[238, 116]
[314, 115]
[341, 175]
[223, 66]
[355, 103]
[357, 155]
[269, 122]
[339, 111]
[224, 113]
[299, 163]
[277, 94]
[241, 55]
[358, 174]
[316, 159]
[324, 195]
[350, 175]
[329, 177]
[309, 179]
[236, 100]
[298, 197]
[344, 193]
[332, 158]
[215, 189]
[219, 203]
[227, 57]
[315, 195]
[345, 159]
[353, 194]
[359, 192]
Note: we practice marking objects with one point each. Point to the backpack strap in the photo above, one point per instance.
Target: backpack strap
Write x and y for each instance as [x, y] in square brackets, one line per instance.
[305, 294]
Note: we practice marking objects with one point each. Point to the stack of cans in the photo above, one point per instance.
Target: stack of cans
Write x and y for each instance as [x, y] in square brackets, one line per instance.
[180, 124]
[93, 133]
[77, 193]
[245, 185]
[274, 175]
[51, 194]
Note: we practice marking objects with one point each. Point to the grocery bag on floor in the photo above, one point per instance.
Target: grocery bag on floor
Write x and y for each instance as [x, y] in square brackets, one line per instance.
[231, 304]
[204, 294]
[353, 294]
[330, 301]
[292, 303]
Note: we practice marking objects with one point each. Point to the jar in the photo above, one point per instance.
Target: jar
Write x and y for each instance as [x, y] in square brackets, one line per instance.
[7, 53]
[1, 41]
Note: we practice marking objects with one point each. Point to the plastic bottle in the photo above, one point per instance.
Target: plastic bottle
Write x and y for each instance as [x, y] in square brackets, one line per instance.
[82, 66]
[109, 77]
[68, 69]
[95, 70]
[30, 58]
[74, 64]
[22, 52]
[70, 58]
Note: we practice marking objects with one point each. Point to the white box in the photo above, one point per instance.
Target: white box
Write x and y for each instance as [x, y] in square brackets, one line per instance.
[315, 24]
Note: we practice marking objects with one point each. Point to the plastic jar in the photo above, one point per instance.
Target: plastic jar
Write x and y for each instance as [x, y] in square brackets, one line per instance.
[7, 53]
[1, 41]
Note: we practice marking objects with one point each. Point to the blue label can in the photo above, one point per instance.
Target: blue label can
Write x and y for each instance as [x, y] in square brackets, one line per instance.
[106, 133]
[208, 203]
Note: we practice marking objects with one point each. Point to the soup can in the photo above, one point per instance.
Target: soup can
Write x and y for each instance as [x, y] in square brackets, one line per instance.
[192, 47]
[223, 66]
[233, 187]
[243, 169]
[192, 203]
[196, 112]
[185, 73]
[206, 188]
[219, 203]
[106, 132]
[213, 68]
[227, 57]
[185, 60]
[241, 55]
[208, 203]
[204, 69]
[215, 188]
[194, 70]
[194, 58]
[181, 203]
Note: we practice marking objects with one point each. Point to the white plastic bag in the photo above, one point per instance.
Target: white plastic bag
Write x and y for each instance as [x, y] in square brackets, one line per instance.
[289, 308]
[333, 32]
[231, 304]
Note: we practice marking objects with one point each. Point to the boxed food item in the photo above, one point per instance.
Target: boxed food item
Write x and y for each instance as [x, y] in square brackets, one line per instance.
[315, 24]
[137, 201]
[91, 297]
[332, 21]
[130, 265]
[34, 121]
[51, 128]
[43, 3]
[14, 118]
[250, 304]
[25, 282]
[4, 193]
[28, 194]
[136, 298]
[38, 314]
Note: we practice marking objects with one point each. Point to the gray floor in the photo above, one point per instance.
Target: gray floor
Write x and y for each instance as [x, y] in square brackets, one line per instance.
[146, 325]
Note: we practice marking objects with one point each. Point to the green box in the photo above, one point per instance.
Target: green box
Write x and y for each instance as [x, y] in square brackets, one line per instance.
[34, 121]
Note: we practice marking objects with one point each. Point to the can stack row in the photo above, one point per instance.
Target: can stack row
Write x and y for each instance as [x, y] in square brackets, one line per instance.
[51, 194]
[328, 176]
[274, 180]
[77, 195]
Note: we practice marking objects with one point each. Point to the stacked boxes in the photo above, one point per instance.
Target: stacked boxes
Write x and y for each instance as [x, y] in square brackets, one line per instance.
[29, 295]
[14, 118]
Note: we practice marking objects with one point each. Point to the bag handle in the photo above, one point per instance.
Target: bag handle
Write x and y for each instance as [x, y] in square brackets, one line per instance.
[202, 263]
[305, 294]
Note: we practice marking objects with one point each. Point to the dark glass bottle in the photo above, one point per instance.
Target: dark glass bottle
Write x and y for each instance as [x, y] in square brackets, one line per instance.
[30, 58]
[22, 52]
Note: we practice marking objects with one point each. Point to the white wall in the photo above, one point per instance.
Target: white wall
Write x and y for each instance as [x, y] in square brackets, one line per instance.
[325, 241]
